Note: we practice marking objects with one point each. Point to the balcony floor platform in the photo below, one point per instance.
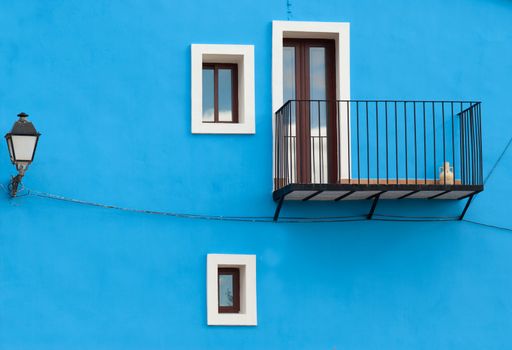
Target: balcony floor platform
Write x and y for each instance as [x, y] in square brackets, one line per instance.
[345, 192]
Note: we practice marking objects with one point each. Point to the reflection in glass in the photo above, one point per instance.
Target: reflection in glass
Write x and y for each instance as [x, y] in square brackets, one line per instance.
[225, 96]
[289, 93]
[208, 95]
[288, 73]
[317, 88]
[225, 290]
[318, 113]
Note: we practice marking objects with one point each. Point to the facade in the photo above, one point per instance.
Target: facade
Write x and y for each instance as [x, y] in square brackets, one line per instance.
[258, 175]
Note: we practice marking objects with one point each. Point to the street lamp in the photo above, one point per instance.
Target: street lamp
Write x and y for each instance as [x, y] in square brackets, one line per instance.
[22, 143]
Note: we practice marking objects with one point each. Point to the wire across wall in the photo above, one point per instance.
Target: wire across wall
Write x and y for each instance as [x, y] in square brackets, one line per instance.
[24, 192]
[251, 219]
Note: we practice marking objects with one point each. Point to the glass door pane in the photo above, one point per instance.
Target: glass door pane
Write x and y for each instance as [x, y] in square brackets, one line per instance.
[290, 127]
[308, 80]
[318, 114]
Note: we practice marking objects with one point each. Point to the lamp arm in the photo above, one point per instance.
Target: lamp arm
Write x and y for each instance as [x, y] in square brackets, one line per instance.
[15, 181]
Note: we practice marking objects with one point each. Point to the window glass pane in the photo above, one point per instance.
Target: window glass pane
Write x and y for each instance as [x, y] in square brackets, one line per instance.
[208, 95]
[225, 95]
[225, 290]
[318, 113]
[289, 94]
[288, 73]
[317, 88]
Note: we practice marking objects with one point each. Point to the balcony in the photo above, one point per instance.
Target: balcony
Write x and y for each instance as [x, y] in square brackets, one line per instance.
[358, 150]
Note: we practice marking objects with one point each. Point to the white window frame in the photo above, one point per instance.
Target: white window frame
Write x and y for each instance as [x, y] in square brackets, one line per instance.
[248, 310]
[243, 56]
[340, 32]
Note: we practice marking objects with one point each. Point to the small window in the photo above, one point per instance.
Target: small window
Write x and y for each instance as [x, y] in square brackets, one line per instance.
[222, 89]
[229, 290]
[220, 93]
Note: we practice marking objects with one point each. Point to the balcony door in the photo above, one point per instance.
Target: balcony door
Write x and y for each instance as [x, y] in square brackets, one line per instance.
[309, 71]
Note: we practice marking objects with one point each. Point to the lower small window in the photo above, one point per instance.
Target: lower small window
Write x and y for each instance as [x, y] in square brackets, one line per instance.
[229, 290]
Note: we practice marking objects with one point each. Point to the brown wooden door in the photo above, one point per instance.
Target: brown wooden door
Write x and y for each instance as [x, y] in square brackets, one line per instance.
[309, 71]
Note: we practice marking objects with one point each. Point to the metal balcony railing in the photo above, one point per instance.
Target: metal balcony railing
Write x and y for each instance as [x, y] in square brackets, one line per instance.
[370, 142]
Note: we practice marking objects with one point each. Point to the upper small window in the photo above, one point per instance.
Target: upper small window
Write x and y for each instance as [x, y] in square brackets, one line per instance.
[220, 93]
[222, 89]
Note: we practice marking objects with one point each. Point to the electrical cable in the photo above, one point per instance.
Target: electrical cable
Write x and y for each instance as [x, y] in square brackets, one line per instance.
[416, 217]
[23, 192]
[488, 225]
[254, 219]
[498, 160]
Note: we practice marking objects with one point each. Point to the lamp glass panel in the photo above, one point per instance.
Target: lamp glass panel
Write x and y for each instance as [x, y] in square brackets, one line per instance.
[9, 146]
[24, 147]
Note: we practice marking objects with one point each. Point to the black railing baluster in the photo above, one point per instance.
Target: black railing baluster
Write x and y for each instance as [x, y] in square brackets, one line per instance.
[477, 153]
[301, 136]
[286, 141]
[283, 150]
[277, 165]
[313, 160]
[434, 134]
[282, 154]
[424, 143]
[444, 145]
[349, 145]
[467, 121]
[461, 143]
[320, 142]
[276, 149]
[477, 138]
[367, 145]
[472, 162]
[396, 142]
[470, 152]
[406, 144]
[480, 167]
[377, 133]
[475, 133]
[358, 152]
[291, 164]
[469, 145]
[337, 123]
[472, 138]
[466, 147]
[415, 147]
[453, 146]
[387, 160]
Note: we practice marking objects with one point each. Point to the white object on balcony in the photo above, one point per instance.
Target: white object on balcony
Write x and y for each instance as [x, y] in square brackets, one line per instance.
[446, 174]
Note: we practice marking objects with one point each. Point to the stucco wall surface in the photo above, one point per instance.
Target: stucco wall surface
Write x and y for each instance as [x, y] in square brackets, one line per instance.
[107, 83]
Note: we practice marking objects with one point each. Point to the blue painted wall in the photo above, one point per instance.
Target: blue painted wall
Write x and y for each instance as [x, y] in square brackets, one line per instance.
[108, 85]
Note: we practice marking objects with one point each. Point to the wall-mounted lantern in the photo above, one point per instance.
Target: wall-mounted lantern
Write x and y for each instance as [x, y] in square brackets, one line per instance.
[22, 143]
